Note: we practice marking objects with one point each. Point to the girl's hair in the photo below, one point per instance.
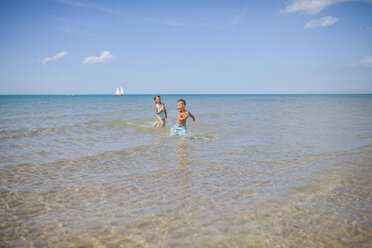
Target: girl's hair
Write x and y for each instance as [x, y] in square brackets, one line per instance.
[181, 100]
[156, 97]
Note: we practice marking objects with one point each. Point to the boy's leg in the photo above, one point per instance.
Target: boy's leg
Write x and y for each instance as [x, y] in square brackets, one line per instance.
[184, 130]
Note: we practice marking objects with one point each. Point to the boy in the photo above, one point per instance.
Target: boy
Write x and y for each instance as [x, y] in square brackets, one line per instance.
[182, 115]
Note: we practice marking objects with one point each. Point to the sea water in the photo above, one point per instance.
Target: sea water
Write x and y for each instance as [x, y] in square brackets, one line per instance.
[254, 170]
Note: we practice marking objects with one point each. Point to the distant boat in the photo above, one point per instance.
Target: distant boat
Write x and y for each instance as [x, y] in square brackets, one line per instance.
[119, 93]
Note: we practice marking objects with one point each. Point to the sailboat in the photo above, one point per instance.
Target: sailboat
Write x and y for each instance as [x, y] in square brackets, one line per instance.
[119, 93]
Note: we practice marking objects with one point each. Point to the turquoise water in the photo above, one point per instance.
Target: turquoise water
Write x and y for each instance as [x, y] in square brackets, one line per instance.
[255, 170]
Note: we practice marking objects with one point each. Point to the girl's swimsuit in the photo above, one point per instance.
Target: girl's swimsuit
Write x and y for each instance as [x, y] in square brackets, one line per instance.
[161, 115]
[180, 130]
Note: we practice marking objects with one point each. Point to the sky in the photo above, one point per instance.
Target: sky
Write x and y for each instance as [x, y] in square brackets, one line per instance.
[186, 46]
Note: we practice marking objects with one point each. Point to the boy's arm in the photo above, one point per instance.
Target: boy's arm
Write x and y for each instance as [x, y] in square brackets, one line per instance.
[193, 117]
[182, 118]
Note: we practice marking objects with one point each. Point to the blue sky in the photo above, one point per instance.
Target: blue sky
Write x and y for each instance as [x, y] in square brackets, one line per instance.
[179, 47]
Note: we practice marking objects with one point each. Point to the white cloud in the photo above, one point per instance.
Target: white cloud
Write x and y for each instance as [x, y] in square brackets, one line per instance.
[353, 86]
[80, 4]
[321, 22]
[309, 6]
[312, 7]
[58, 56]
[71, 21]
[365, 61]
[236, 20]
[103, 58]
[171, 23]
[129, 14]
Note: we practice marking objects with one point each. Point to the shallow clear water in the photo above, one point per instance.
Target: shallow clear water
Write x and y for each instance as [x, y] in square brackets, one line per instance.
[255, 170]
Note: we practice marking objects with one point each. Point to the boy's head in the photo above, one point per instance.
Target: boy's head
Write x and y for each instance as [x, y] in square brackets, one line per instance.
[157, 99]
[181, 104]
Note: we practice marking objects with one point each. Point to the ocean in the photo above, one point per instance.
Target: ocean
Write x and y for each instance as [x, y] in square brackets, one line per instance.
[254, 171]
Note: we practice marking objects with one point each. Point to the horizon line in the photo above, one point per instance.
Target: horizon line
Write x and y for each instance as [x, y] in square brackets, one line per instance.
[187, 94]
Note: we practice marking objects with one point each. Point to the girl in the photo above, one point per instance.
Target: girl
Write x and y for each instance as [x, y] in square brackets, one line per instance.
[160, 111]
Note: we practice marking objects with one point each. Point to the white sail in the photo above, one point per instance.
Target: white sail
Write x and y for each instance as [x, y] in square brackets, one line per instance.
[121, 91]
[117, 93]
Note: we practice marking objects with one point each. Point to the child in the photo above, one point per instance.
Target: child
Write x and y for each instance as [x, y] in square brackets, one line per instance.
[182, 115]
[160, 111]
